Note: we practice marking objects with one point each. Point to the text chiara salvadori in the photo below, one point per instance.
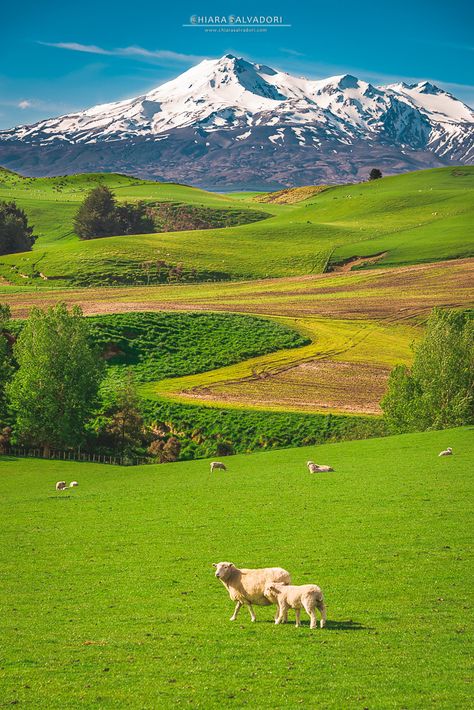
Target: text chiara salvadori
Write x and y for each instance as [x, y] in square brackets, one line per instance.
[237, 20]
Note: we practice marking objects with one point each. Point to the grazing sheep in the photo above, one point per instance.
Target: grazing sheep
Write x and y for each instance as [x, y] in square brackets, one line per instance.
[316, 468]
[307, 596]
[61, 486]
[247, 586]
[446, 452]
[73, 484]
[217, 464]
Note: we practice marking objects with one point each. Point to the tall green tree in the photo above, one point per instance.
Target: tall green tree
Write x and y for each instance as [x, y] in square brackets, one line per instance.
[96, 217]
[438, 391]
[55, 388]
[6, 369]
[125, 423]
[15, 233]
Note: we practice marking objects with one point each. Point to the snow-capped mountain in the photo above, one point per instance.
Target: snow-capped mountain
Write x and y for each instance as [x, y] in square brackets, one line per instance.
[231, 122]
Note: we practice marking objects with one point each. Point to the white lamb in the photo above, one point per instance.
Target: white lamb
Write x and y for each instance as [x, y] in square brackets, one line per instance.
[217, 465]
[73, 484]
[317, 468]
[307, 596]
[446, 452]
[247, 586]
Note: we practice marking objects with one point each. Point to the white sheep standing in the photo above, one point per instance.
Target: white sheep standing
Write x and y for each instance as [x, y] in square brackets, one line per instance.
[306, 596]
[61, 486]
[217, 465]
[73, 484]
[446, 452]
[247, 586]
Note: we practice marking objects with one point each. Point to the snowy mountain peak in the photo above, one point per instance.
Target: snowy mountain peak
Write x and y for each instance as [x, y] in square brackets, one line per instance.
[230, 99]
[347, 81]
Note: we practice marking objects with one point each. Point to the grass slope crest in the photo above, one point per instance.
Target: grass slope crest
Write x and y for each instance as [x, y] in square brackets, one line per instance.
[407, 219]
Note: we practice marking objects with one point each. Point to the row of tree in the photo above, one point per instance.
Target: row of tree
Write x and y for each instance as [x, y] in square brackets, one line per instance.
[50, 391]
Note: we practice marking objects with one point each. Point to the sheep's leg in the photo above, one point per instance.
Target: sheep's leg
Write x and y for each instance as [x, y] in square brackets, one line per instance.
[282, 613]
[238, 607]
[309, 609]
[322, 609]
[297, 617]
[252, 613]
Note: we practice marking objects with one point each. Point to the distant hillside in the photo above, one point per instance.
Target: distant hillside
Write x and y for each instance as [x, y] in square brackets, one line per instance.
[407, 219]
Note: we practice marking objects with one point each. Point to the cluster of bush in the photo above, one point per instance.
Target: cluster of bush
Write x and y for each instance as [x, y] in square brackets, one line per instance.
[100, 216]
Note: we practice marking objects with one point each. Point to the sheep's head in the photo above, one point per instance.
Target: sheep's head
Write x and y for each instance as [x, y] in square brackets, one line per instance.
[310, 463]
[223, 569]
[449, 449]
[271, 591]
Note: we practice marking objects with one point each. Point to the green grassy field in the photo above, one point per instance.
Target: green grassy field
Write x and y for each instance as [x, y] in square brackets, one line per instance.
[416, 217]
[159, 345]
[108, 596]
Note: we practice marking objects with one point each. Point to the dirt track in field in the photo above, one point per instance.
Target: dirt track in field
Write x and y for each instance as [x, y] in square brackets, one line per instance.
[395, 295]
[347, 387]
[377, 294]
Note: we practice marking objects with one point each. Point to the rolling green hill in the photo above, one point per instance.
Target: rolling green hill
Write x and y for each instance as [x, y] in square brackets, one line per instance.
[109, 598]
[412, 218]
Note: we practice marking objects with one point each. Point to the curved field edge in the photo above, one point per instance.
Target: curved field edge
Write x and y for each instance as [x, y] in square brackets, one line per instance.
[346, 341]
[159, 345]
[391, 525]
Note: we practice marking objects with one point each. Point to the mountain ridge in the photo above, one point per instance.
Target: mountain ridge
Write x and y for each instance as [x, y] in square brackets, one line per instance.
[259, 120]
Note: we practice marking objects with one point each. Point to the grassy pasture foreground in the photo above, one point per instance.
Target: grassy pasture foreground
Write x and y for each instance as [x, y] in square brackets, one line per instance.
[109, 598]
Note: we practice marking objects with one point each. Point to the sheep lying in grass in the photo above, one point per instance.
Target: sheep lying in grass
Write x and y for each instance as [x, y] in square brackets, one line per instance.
[247, 586]
[73, 484]
[447, 452]
[316, 468]
[61, 486]
[217, 465]
[307, 596]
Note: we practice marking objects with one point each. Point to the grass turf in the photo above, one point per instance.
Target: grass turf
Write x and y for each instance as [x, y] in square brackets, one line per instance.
[109, 600]
[159, 345]
[416, 217]
[256, 383]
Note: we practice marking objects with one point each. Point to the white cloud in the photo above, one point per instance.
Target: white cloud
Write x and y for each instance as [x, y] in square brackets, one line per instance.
[133, 51]
[24, 104]
[293, 52]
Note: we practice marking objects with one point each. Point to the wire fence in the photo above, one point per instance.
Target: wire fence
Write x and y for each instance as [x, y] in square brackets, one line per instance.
[57, 455]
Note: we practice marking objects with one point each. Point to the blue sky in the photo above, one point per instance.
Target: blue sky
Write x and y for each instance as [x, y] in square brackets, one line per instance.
[56, 58]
